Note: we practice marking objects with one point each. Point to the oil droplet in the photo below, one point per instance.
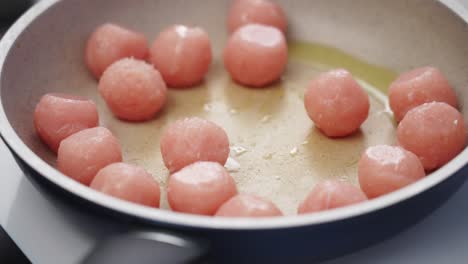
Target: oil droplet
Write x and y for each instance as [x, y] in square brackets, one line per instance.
[343, 178]
[233, 111]
[265, 119]
[268, 156]
[207, 107]
[455, 122]
[293, 151]
[238, 150]
[277, 178]
[305, 143]
[232, 165]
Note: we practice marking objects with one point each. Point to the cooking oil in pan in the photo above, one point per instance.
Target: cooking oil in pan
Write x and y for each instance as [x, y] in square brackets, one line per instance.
[276, 152]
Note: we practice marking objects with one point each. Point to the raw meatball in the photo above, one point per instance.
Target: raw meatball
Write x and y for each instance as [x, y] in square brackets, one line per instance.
[182, 55]
[127, 182]
[419, 86]
[245, 205]
[435, 132]
[329, 195]
[200, 188]
[263, 12]
[133, 90]
[81, 155]
[256, 55]
[193, 139]
[336, 103]
[57, 116]
[110, 43]
[384, 169]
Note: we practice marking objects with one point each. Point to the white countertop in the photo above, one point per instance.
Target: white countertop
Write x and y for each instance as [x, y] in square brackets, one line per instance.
[50, 233]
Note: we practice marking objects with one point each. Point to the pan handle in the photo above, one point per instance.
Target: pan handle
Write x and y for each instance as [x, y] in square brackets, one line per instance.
[148, 247]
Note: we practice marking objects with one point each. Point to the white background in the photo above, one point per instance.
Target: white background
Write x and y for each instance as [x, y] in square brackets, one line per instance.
[50, 233]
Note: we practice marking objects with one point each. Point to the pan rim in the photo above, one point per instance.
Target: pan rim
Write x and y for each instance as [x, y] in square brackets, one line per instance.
[14, 142]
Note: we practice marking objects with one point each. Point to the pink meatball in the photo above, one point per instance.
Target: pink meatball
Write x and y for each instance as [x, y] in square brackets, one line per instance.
[110, 43]
[263, 12]
[127, 182]
[329, 195]
[57, 116]
[133, 90]
[435, 132]
[193, 139]
[245, 205]
[256, 55]
[419, 86]
[81, 155]
[336, 103]
[200, 188]
[182, 54]
[384, 169]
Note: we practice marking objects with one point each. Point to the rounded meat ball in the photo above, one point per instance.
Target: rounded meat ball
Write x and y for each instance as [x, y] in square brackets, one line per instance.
[200, 188]
[133, 90]
[329, 195]
[384, 169]
[245, 205]
[81, 155]
[336, 103]
[193, 139]
[419, 86]
[58, 116]
[127, 182]
[110, 43]
[182, 54]
[263, 12]
[435, 132]
[256, 55]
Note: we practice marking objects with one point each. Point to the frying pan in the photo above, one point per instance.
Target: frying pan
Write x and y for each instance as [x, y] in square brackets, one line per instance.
[276, 151]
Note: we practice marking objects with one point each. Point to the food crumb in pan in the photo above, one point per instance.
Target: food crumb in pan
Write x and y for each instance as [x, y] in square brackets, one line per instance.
[294, 151]
[265, 119]
[238, 150]
[268, 156]
[207, 107]
[232, 165]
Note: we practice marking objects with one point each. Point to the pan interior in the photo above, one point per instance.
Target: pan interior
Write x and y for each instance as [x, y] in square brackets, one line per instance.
[276, 151]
